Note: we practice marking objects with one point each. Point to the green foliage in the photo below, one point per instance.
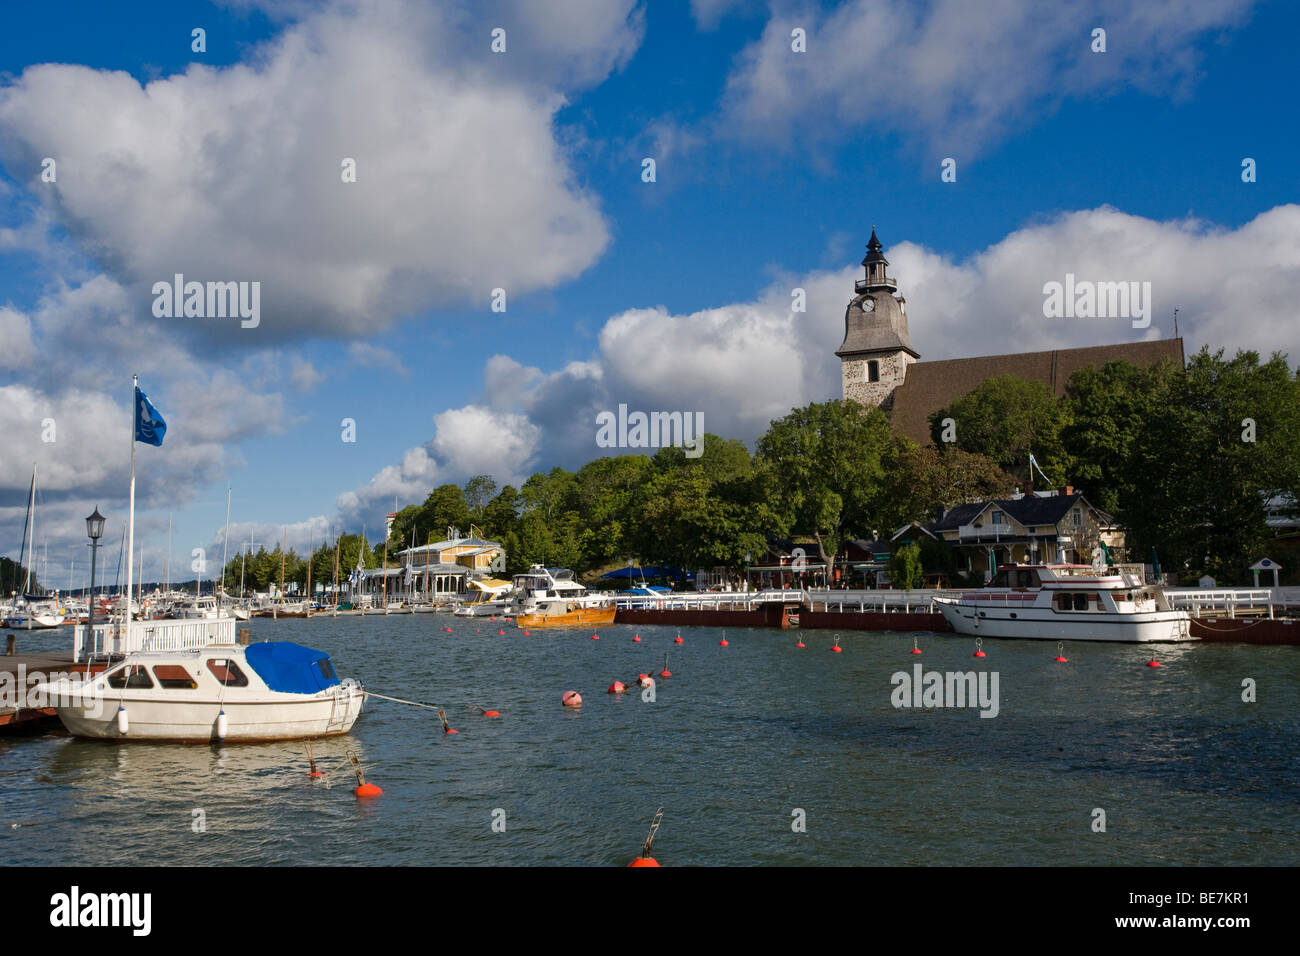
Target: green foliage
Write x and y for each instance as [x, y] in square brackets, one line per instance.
[12, 575]
[824, 471]
[1193, 486]
[1006, 419]
[927, 481]
[905, 570]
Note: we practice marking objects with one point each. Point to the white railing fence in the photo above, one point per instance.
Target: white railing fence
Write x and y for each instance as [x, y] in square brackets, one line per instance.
[111, 638]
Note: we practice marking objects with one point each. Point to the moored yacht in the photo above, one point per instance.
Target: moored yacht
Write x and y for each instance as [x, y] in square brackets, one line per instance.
[549, 597]
[1067, 602]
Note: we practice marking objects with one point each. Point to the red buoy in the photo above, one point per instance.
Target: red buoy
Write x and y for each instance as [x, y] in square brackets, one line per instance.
[637, 639]
[491, 713]
[677, 639]
[665, 673]
[315, 773]
[915, 650]
[526, 633]
[644, 861]
[500, 632]
[979, 647]
[367, 790]
[800, 644]
[1061, 660]
[724, 643]
[595, 637]
[837, 649]
[449, 730]
[617, 687]
[1060, 653]
[571, 698]
[1153, 663]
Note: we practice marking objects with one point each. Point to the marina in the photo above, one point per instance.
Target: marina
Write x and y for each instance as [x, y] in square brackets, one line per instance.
[732, 741]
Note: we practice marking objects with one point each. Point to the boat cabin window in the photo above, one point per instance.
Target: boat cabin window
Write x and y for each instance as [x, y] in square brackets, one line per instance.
[131, 676]
[227, 672]
[327, 669]
[1026, 579]
[1073, 602]
[173, 677]
[999, 580]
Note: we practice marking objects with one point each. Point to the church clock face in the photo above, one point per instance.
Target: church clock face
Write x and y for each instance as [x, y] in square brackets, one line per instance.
[868, 305]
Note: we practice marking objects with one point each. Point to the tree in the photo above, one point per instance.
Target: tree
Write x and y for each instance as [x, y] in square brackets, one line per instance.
[1107, 411]
[928, 481]
[1226, 438]
[478, 491]
[824, 469]
[1007, 418]
[905, 569]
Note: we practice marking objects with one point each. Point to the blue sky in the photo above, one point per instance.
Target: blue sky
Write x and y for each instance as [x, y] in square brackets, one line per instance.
[772, 167]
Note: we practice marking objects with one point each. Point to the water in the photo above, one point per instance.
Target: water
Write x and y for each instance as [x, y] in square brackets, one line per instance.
[737, 740]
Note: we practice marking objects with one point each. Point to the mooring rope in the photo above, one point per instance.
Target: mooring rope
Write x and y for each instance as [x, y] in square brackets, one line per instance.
[398, 700]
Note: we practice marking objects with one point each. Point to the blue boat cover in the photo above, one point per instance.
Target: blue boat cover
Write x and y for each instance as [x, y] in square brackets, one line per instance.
[291, 668]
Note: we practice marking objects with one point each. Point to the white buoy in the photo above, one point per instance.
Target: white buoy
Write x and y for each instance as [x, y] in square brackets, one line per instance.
[222, 725]
[123, 723]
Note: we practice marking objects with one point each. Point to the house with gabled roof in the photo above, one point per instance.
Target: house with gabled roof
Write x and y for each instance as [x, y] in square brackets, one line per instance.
[1045, 527]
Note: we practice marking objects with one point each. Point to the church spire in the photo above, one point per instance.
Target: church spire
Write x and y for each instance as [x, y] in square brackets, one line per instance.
[875, 263]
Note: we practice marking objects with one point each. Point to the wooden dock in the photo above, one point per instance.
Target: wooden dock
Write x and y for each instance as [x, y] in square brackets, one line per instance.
[19, 673]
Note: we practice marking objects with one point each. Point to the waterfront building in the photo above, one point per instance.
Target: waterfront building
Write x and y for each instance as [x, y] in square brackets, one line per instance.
[879, 365]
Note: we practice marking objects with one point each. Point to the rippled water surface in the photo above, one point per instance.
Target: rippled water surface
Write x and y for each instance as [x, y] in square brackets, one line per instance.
[735, 741]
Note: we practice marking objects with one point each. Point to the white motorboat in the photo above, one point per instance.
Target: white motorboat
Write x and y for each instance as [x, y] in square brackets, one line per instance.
[1066, 603]
[274, 690]
[202, 608]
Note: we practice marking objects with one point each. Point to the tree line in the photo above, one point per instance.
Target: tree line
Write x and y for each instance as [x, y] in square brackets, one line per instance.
[1182, 458]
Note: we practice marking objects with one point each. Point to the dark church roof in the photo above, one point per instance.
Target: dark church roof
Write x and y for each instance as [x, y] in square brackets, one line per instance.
[930, 386]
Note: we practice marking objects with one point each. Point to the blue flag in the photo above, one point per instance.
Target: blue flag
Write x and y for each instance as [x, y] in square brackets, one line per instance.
[149, 425]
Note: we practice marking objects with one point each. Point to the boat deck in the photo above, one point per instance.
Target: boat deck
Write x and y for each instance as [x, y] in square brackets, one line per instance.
[18, 674]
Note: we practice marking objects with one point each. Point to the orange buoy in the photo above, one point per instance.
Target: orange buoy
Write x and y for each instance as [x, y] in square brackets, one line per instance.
[644, 861]
[617, 687]
[571, 698]
[367, 790]
[315, 773]
[1154, 663]
[449, 730]
[491, 713]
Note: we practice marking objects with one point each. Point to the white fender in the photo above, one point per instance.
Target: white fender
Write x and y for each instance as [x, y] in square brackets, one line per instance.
[123, 722]
[222, 725]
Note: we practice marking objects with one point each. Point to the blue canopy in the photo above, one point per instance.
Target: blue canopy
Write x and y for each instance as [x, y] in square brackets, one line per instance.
[291, 668]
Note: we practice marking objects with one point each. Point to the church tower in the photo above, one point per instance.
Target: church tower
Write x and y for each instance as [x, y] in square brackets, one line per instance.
[876, 349]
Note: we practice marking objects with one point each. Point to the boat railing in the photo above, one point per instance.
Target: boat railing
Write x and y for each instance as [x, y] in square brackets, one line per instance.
[918, 601]
[708, 600]
[111, 637]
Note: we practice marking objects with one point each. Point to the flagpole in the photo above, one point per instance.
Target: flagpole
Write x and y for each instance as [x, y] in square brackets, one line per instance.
[130, 524]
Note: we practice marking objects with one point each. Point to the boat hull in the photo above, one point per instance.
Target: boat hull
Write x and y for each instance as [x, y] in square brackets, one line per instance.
[166, 721]
[579, 617]
[988, 620]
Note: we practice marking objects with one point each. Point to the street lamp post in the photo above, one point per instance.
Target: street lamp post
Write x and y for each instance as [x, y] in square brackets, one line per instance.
[95, 530]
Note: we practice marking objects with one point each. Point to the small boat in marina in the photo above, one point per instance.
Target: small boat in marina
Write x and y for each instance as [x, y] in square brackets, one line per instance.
[1067, 602]
[275, 690]
[549, 597]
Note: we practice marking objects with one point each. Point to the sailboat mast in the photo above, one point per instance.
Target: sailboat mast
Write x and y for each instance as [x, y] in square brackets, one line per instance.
[130, 523]
[336, 569]
[167, 567]
[31, 535]
[225, 537]
[283, 546]
[309, 544]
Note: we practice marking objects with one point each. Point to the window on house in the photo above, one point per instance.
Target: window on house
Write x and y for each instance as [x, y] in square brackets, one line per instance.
[873, 371]
[997, 517]
[1078, 518]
